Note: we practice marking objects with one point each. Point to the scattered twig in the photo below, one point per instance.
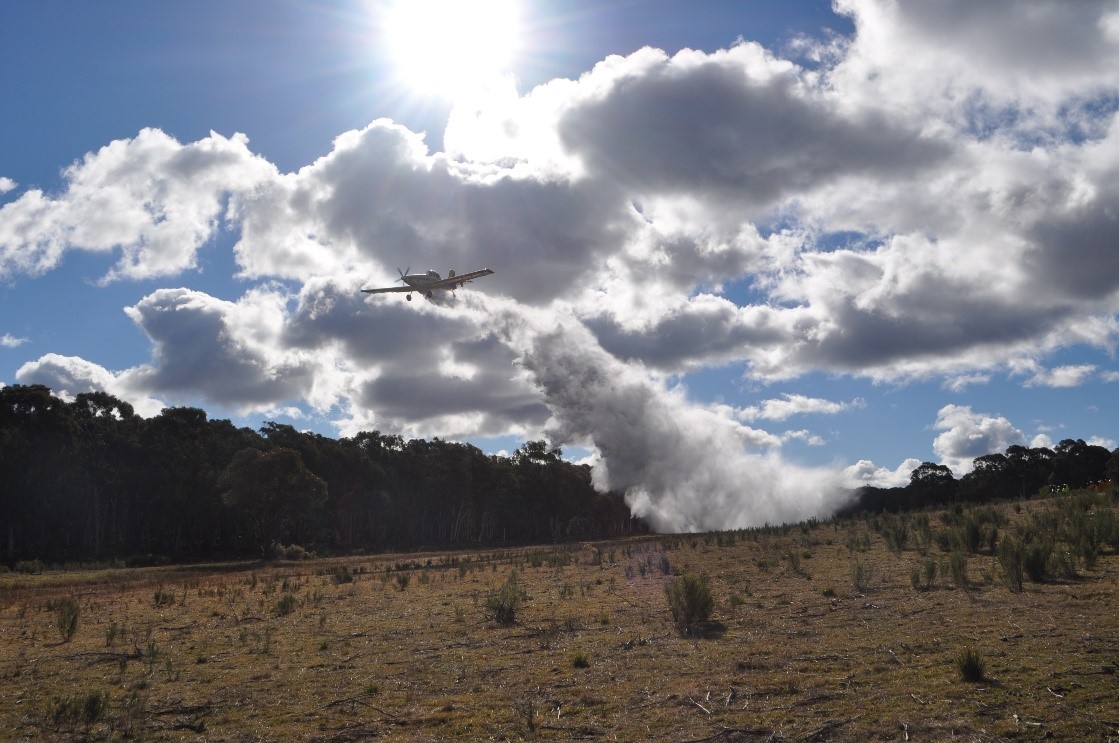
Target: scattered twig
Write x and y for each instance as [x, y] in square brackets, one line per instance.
[699, 705]
[735, 732]
[1059, 696]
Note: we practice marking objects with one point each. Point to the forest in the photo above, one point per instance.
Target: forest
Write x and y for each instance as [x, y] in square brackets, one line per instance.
[88, 479]
[1018, 474]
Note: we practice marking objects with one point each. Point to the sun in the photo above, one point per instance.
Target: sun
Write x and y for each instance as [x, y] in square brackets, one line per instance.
[451, 48]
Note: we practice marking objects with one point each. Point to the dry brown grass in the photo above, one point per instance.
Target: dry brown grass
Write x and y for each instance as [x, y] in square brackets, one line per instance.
[795, 651]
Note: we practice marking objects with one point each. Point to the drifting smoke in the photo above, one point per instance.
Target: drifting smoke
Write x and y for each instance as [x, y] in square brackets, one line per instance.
[682, 467]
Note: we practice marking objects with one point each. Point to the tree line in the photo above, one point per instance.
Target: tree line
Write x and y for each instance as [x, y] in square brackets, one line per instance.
[88, 479]
[1017, 474]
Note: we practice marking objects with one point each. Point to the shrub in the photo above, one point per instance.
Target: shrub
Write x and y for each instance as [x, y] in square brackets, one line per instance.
[861, 575]
[66, 618]
[163, 598]
[30, 567]
[291, 552]
[343, 575]
[402, 580]
[930, 573]
[1036, 560]
[82, 708]
[285, 605]
[957, 568]
[970, 665]
[1012, 559]
[503, 603]
[690, 601]
[580, 660]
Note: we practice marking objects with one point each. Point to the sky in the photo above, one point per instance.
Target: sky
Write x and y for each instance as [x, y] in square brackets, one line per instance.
[747, 255]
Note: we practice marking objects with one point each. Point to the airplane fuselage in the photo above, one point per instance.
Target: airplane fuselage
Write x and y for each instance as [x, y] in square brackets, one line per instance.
[422, 282]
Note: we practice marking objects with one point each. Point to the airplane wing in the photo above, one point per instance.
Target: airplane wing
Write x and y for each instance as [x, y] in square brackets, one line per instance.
[389, 289]
[453, 282]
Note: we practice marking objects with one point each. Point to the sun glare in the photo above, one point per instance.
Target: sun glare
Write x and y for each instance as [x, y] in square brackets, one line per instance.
[451, 47]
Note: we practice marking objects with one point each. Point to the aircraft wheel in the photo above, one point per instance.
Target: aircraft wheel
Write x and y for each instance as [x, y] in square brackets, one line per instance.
[408, 297]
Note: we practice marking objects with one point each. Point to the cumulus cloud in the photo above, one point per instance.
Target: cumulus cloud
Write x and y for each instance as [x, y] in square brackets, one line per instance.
[69, 376]
[152, 200]
[1106, 443]
[967, 435]
[10, 341]
[6, 184]
[865, 472]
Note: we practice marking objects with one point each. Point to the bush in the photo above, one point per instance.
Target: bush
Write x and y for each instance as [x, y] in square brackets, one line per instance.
[861, 575]
[1012, 560]
[922, 577]
[957, 568]
[30, 567]
[163, 598]
[503, 603]
[690, 601]
[67, 618]
[1036, 560]
[82, 708]
[291, 552]
[285, 606]
[343, 575]
[579, 660]
[970, 665]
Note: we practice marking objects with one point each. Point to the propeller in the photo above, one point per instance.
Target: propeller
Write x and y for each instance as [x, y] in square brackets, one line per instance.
[402, 273]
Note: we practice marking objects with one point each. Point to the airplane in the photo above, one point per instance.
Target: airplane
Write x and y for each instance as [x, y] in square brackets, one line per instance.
[429, 283]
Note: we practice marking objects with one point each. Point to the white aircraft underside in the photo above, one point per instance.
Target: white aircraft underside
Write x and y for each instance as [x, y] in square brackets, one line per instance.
[429, 283]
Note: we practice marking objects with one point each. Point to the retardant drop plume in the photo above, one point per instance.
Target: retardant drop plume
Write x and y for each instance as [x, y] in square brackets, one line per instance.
[683, 467]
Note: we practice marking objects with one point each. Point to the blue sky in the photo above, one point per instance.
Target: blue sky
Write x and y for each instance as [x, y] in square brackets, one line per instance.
[802, 247]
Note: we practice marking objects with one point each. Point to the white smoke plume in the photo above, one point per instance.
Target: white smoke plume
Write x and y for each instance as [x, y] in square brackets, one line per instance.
[682, 467]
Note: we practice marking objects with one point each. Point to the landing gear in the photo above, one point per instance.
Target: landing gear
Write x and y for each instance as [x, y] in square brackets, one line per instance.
[408, 297]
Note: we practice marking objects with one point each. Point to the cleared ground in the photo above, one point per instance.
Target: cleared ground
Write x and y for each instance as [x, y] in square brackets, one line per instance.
[408, 650]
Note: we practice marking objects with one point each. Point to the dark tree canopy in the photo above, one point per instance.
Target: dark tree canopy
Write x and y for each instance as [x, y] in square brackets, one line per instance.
[89, 479]
[1020, 472]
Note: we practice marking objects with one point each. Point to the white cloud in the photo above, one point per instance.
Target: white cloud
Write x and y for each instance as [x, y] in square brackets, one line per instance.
[982, 62]
[151, 199]
[69, 376]
[808, 437]
[1106, 443]
[1041, 441]
[1110, 376]
[967, 435]
[6, 184]
[1062, 376]
[10, 341]
[794, 404]
[865, 472]
[960, 382]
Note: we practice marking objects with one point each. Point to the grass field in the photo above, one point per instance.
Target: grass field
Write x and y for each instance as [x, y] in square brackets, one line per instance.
[831, 631]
